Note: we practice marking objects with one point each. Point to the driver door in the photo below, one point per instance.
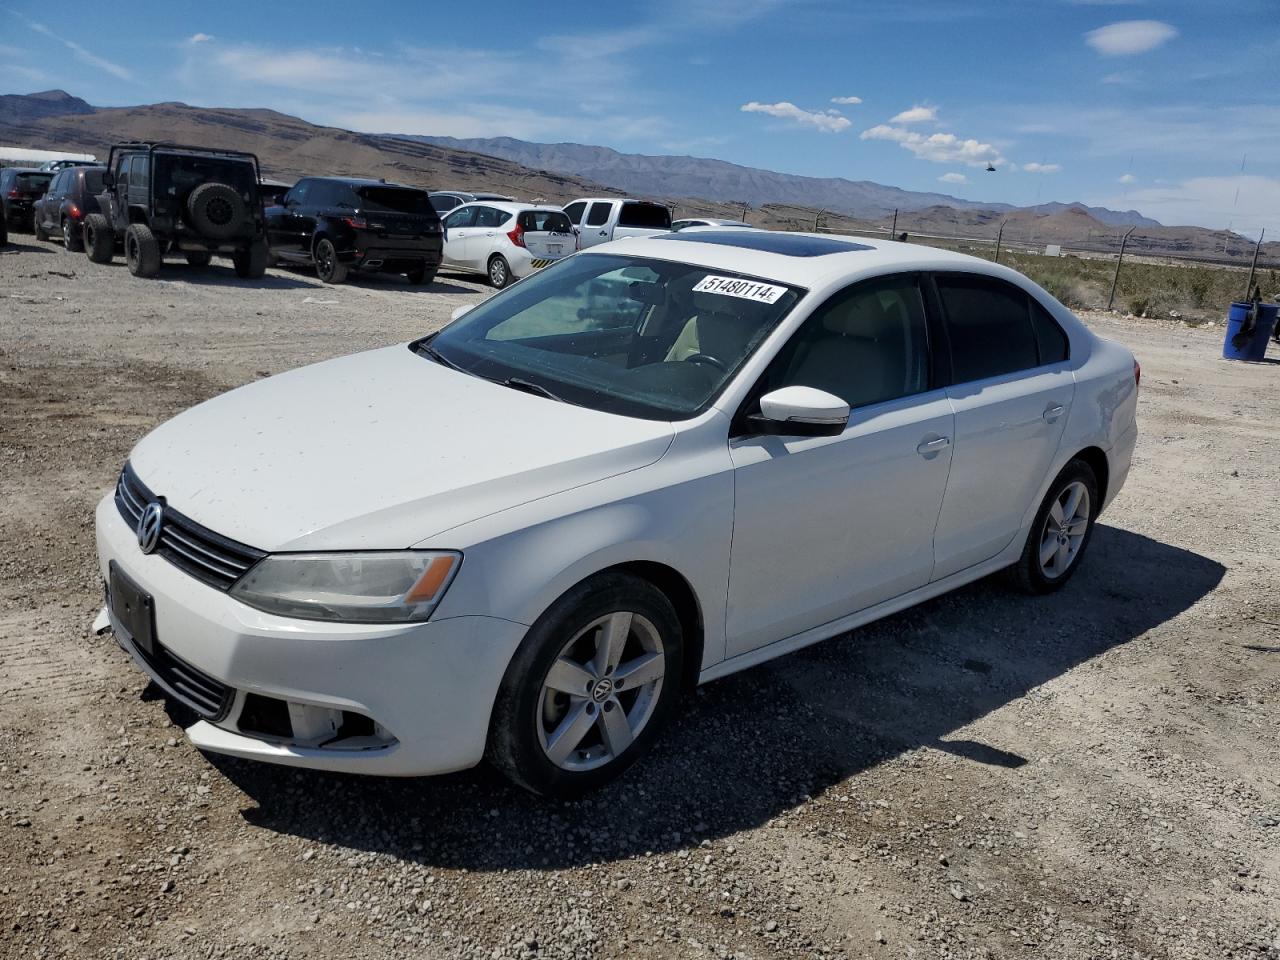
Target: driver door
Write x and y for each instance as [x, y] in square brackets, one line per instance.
[827, 526]
[457, 228]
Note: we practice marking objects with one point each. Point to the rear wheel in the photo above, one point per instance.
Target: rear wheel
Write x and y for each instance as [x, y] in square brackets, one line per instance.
[72, 237]
[251, 264]
[99, 241]
[421, 275]
[499, 271]
[590, 688]
[198, 258]
[141, 250]
[328, 267]
[1061, 532]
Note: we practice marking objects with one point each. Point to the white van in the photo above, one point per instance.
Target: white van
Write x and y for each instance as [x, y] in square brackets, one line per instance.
[601, 219]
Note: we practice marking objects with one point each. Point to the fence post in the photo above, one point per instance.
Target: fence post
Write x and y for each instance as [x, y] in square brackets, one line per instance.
[1000, 237]
[817, 217]
[1119, 260]
[893, 231]
[744, 213]
[1248, 287]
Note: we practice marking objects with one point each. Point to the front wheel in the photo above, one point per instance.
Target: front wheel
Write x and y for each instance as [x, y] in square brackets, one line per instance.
[99, 241]
[499, 272]
[1061, 532]
[592, 685]
[328, 267]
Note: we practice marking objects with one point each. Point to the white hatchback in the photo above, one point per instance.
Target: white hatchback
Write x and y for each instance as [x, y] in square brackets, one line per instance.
[528, 535]
[505, 241]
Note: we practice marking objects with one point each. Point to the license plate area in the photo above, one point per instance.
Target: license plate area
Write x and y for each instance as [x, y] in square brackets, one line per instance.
[133, 609]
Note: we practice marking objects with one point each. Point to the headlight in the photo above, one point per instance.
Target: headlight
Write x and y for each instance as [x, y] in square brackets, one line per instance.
[377, 587]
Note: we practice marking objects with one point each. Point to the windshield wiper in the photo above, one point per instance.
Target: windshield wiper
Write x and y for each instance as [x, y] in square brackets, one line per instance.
[528, 386]
[438, 357]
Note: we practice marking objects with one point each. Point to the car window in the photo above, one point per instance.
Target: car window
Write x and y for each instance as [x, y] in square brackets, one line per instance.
[465, 217]
[122, 171]
[651, 216]
[599, 213]
[545, 221]
[989, 326]
[55, 186]
[1051, 342]
[491, 217]
[395, 200]
[92, 180]
[865, 345]
[574, 211]
[140, 172]
[629, 335]
[300, 193]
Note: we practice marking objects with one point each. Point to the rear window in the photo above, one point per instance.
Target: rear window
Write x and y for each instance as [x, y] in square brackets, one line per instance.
[651, 216]
[93, 181]
[33, 181]
[396, 200]
[545, 221]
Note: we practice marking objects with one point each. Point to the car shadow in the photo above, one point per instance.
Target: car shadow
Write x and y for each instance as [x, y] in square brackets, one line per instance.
[393, 280]
[753, 745]
[17, 246]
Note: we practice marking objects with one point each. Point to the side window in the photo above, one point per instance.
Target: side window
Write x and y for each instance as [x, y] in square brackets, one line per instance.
[599, 214]
[490, 217]
[140, 172]
[574, 210]
[867, 344]
[122, 172]
[1050, 340]
[465, 217]
[300, 193]
[989, 326]
[55, 188]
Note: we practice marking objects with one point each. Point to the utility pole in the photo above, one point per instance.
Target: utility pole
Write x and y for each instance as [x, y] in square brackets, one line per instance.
[1120, 259]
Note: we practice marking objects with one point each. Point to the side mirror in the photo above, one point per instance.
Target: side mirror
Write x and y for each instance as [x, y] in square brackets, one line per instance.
[108, 179]
[800, 412]
[462, 311]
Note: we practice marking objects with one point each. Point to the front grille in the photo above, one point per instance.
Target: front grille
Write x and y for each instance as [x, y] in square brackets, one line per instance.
[209, 557]
[202, 693]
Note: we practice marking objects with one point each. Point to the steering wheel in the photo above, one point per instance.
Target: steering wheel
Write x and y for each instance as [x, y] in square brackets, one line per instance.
[707, 359]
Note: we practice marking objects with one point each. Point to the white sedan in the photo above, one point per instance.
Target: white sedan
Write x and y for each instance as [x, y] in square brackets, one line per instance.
[505, 241]
[661, 461]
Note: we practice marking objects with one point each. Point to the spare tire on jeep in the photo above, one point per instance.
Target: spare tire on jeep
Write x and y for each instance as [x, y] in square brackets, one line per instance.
[217, 211]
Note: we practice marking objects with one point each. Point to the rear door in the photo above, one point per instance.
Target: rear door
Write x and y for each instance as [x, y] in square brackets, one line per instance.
[482, 238]
[548, 234]
[597, 224]
[1011, 391]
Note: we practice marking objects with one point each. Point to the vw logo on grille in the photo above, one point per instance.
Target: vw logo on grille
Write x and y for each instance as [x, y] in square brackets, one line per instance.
[149, 524]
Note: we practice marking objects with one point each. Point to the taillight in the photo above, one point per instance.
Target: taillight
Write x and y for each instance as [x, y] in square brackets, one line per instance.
[14, 194]
[356, 223]
[1137, 373]
[516, 236]
[74, 211]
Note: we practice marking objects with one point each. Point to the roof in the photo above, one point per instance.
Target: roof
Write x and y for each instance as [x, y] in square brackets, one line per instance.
[508, 206]
[760, 253]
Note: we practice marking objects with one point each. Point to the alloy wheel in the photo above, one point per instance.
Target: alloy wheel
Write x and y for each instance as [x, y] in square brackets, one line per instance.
[601, 691]
[498, 272]
[1064, 530]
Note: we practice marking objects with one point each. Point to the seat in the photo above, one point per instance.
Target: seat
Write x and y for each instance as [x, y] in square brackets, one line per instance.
[861, 355]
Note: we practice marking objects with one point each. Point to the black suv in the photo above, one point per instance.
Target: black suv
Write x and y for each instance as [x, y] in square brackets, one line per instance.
[71, 197]
[20, 188]
[342, 223]
[163, 197]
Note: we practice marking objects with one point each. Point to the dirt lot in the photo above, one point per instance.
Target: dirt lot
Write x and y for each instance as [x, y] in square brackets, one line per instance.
[1092, 775]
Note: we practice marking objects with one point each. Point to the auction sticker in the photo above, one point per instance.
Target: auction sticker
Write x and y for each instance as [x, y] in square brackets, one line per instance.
[746, 289]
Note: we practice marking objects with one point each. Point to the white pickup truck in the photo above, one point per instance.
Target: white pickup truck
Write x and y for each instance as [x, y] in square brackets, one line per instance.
[600, 219]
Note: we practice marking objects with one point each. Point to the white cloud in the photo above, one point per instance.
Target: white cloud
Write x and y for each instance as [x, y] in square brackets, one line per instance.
[200, 38]
[1128, 178]
[1129, 37]
[828, 121]
[1042, 167]
[848, 101]
[917, 114]
[81, 54]
[954, 178]
[1249, 203]
[1120, 76]
[938, 147]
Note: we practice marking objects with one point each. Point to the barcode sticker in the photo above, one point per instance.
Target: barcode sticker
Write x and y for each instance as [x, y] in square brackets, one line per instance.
[746, 289]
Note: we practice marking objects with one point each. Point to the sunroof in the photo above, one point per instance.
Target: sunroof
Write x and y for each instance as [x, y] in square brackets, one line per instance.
[767, 241]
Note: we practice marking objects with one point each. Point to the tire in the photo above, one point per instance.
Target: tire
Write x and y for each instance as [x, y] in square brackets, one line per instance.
[558, 744]
[141, 250]
[198, 258]
[422, 276]
[251, 264]
[1033, 575]
[72, 236]
[217, 211]
[328, 267]
[99, 241]
[499, 271]
[37, 229]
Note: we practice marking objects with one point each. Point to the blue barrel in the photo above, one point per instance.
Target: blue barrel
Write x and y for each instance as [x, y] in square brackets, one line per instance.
[1254, 348]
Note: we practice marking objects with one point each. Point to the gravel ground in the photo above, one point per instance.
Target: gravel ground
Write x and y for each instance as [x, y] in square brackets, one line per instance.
[1091, 775]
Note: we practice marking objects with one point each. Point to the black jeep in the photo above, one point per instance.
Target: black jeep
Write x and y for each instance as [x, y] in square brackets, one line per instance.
[163, 197]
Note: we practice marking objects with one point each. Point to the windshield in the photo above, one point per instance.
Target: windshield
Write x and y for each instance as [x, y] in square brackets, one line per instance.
[627, 335]
[395, 200]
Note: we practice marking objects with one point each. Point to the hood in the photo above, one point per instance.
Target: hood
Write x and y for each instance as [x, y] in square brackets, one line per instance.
[379, 450]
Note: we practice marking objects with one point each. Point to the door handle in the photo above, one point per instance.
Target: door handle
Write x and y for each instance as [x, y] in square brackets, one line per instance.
[1053, 412]
[929, 448]
[604, 233]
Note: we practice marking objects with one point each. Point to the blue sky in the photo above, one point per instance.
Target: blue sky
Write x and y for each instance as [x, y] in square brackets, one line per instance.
[1169, 107]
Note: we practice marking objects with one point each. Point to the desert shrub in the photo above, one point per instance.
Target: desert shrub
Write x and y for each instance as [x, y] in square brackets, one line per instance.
[1139, 305]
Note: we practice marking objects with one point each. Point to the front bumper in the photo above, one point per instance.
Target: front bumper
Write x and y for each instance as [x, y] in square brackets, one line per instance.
[428, 687]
